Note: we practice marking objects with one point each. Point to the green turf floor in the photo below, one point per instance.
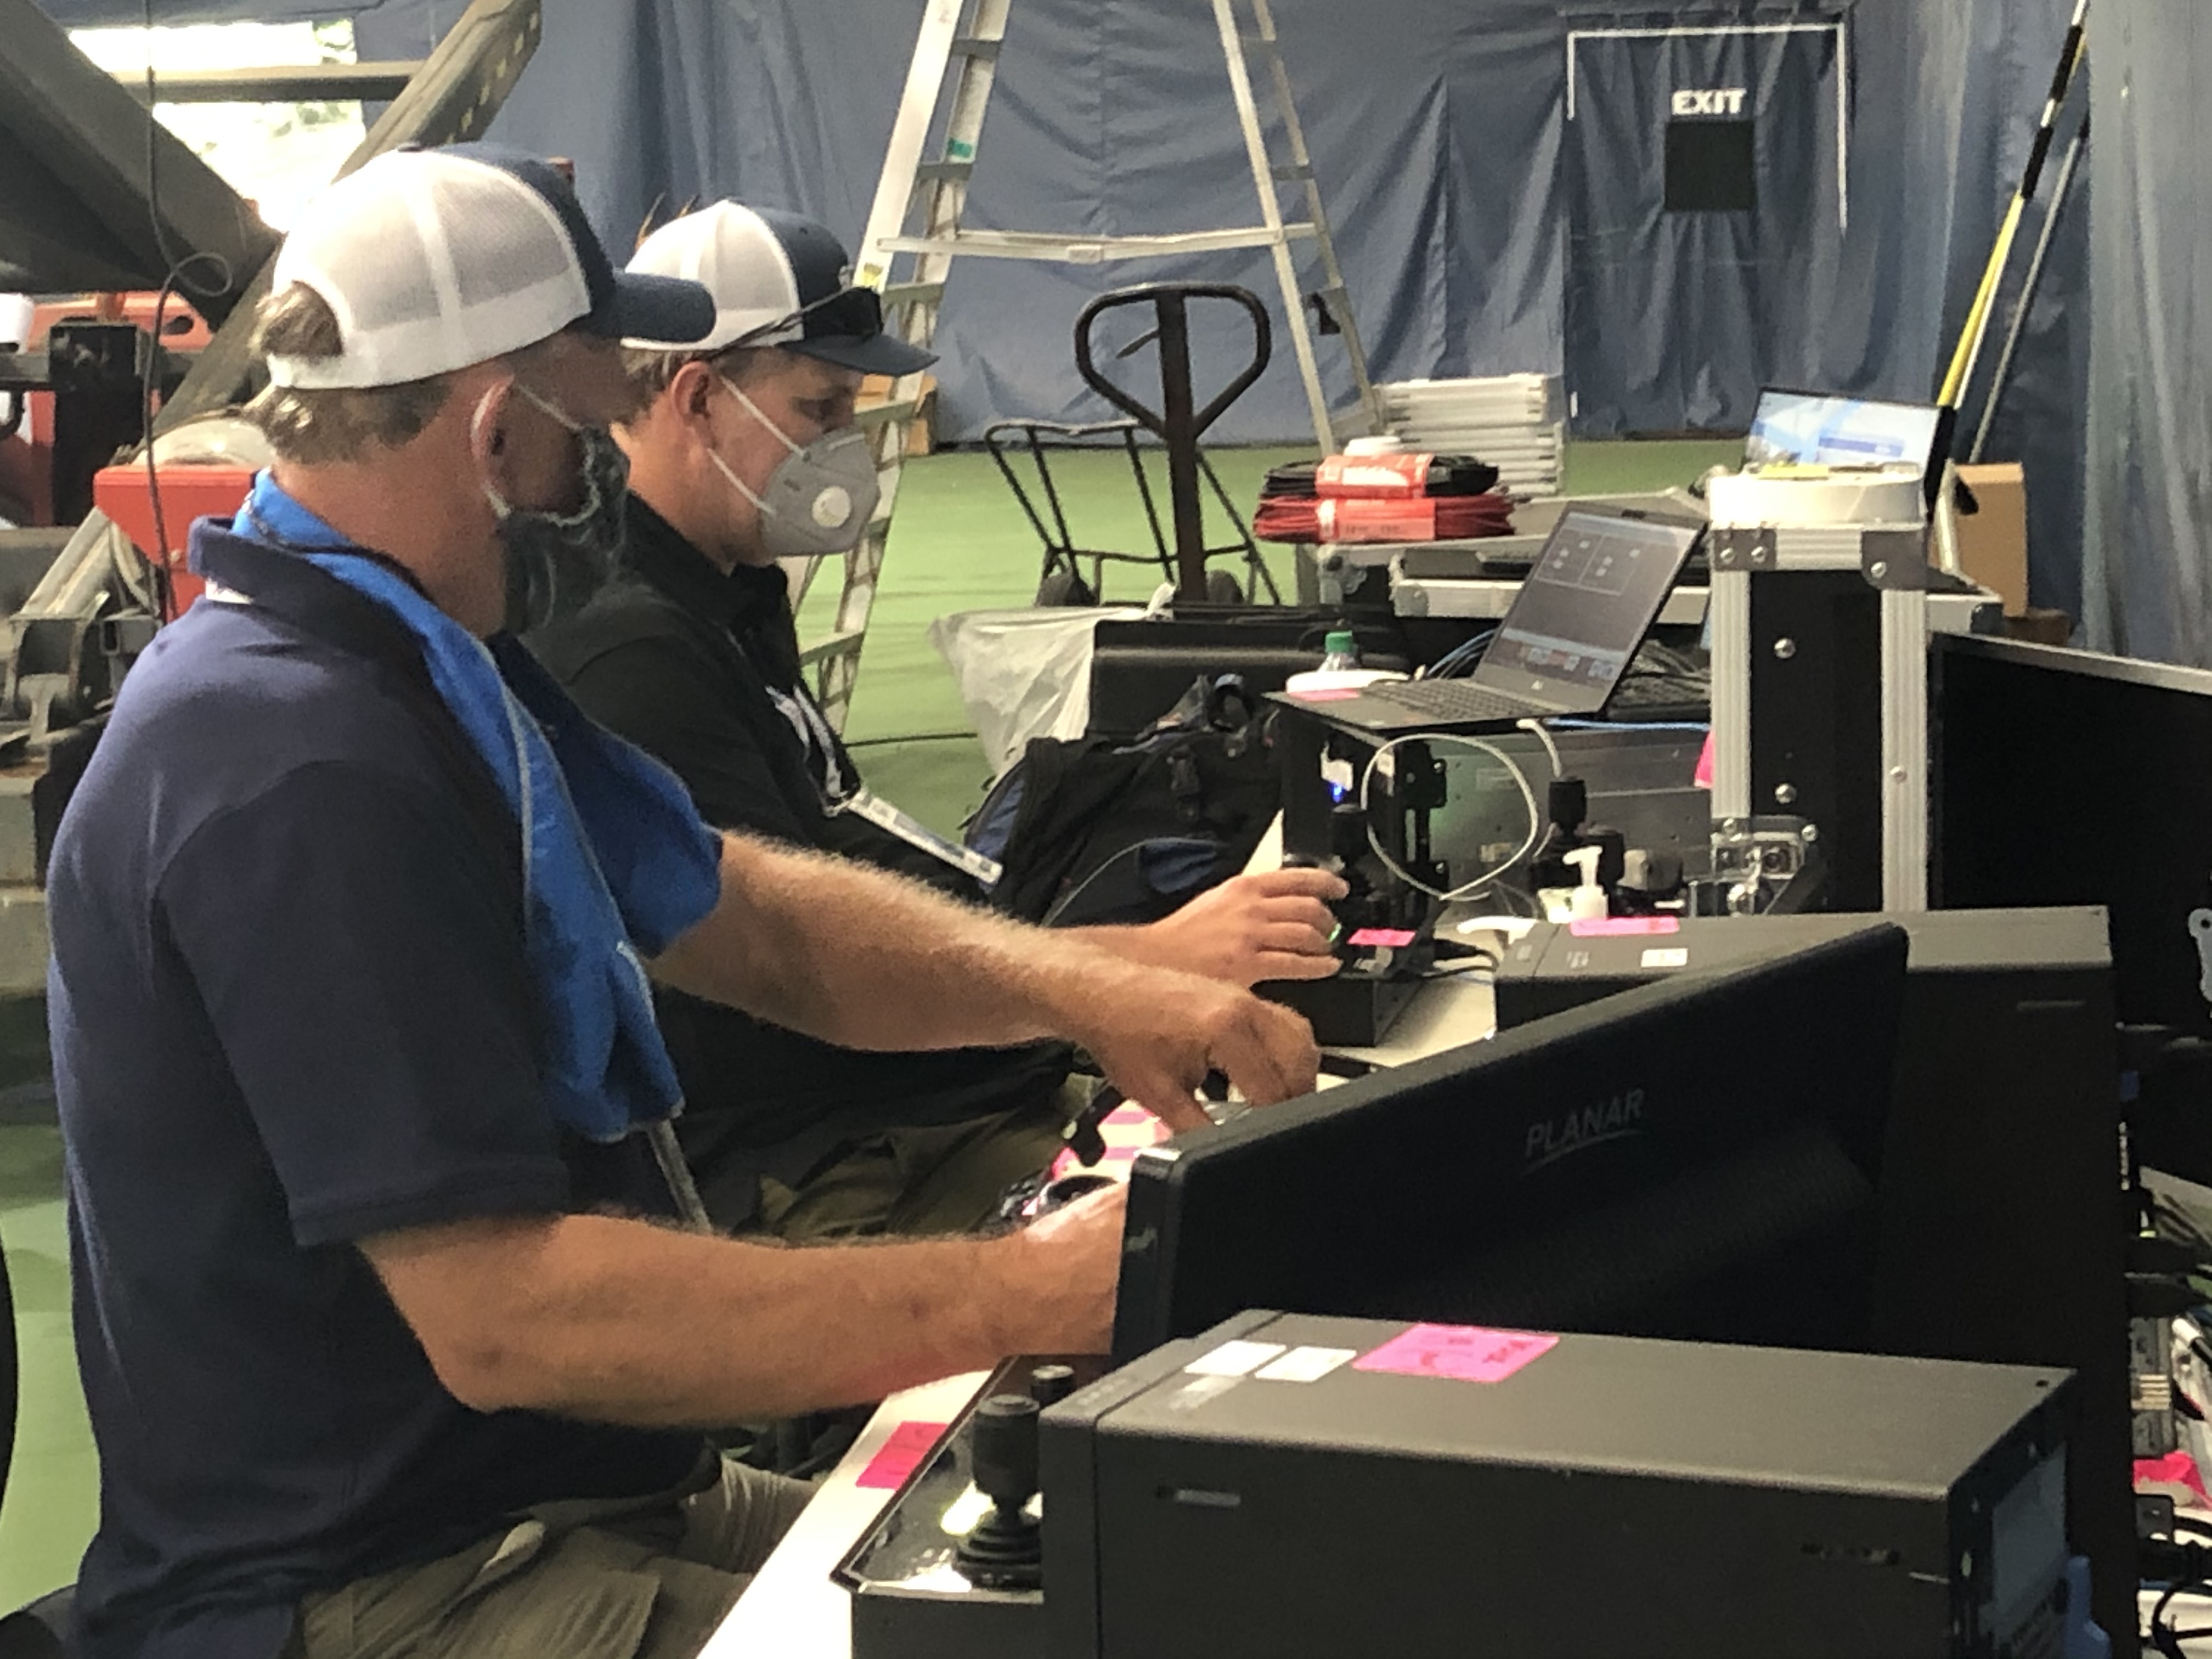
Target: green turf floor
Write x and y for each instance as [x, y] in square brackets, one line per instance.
[960, 544]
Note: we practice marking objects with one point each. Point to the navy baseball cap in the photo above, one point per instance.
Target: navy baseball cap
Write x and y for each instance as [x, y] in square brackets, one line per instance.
[777, 279]
[434, 259]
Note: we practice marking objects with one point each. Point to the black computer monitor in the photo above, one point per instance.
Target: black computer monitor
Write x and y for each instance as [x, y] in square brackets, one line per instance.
[1696, 1158]
[2064, 777]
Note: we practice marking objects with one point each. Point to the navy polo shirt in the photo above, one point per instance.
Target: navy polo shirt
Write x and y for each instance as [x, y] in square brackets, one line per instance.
[290, 1009]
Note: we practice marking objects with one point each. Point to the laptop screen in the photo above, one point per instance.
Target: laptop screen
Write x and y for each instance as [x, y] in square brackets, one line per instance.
[1808, 426]
[1588, 602]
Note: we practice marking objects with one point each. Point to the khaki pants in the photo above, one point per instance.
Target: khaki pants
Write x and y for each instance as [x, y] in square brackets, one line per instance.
[649, 1578]
[919, 1183]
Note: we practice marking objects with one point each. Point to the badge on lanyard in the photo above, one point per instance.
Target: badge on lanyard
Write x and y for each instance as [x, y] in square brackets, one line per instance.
[815, 736]
[865, 803]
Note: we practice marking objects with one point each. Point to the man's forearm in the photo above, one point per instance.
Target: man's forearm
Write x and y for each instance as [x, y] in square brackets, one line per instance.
[870, 960]
[622, 1322]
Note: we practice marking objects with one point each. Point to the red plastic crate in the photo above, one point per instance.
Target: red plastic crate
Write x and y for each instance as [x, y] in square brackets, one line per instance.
[188, 492]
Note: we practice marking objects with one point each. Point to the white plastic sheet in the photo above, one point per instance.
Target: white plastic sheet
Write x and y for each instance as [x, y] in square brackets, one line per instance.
[1024, 674]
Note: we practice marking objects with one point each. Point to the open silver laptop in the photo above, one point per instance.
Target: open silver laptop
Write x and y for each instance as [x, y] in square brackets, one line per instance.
[1821, 429]
[1562, 648]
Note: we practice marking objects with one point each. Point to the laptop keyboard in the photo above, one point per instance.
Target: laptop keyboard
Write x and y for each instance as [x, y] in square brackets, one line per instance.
[1645, 693]
[1451, 700]
[1660, 693]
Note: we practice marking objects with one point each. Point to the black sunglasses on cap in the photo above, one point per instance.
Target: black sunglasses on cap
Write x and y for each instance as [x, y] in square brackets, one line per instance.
[849, 314]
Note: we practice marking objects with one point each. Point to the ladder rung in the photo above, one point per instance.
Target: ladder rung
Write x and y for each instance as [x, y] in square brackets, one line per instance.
[1090, 251]
[1293, 172]
[837, 644]
[1253, 41]
[979, 46]
[912, 293]
[945, 172]
[883, 414]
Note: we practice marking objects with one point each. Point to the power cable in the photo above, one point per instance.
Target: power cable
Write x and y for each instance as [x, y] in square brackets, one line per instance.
[179, 280]
[1468, 889]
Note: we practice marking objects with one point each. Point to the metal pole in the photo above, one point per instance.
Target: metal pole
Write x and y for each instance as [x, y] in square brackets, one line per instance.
[1977, 315]
[2028, 288]
[1179, 432]
[1904, 749]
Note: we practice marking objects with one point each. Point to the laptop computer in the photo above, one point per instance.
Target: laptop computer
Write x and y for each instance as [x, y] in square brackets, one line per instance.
[1562, 648]
[1819, 428]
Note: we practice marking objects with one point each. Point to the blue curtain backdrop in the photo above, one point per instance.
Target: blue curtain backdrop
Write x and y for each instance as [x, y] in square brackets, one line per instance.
[1705, 213]
[2148, 570]
[1439, 131]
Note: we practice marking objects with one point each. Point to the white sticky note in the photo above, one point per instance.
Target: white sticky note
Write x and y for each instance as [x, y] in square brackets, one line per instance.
[1234, 1360]
[1676, 958]
[1304, 1364]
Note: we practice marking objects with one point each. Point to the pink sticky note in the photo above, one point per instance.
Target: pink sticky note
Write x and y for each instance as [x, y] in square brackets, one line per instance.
[901, 1456]
[1381, 938]
[1702, 777]
[1466, 1352]
[1623, 926]
[1329, 693]
[2176, 1469]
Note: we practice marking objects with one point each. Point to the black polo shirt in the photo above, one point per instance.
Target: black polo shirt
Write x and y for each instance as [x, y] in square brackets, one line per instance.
[290, 1009]
[687, 663]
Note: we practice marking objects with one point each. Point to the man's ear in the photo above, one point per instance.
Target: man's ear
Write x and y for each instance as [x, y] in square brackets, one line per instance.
[487, 426]
[691, 392]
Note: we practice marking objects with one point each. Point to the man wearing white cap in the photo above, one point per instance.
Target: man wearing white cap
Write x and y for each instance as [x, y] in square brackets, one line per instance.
[746, 452]
[383, 1349]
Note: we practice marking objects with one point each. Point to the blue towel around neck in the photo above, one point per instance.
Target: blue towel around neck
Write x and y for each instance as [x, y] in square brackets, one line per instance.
[615, 858]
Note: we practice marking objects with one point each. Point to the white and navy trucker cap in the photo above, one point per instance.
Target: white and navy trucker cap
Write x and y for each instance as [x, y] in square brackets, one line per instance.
[435, 259]
[777, 279]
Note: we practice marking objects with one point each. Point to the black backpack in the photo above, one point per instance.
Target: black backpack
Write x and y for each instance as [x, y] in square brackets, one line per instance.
[1101, 831]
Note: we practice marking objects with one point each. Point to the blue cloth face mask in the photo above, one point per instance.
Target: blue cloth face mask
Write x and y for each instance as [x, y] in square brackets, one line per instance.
[554, 561]
[819, 498]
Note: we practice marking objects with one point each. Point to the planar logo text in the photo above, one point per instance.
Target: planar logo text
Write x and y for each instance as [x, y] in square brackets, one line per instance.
[1551, 1139]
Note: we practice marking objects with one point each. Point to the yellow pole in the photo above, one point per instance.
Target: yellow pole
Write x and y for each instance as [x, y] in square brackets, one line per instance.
[1961, 372]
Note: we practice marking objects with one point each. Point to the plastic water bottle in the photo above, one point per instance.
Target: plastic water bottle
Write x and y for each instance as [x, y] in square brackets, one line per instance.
[1340, 674]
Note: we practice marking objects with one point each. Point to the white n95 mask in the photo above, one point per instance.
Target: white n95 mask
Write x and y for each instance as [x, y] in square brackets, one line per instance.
[819, 498]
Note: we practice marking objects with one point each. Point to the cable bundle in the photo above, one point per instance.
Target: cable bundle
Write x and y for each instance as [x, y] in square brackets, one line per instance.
[1430, 519]
[1383, 498]
[1381, 477]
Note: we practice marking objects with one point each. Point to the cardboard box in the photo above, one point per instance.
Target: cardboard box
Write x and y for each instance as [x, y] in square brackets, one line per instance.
[2041, 627]
[1993, 543]
[922, 436]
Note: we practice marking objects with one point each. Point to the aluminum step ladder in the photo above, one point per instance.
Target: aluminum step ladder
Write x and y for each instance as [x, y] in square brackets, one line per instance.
[914, 234]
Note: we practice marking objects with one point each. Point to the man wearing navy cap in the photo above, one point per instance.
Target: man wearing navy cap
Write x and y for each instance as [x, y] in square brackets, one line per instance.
[746, 452]
[392, 1338]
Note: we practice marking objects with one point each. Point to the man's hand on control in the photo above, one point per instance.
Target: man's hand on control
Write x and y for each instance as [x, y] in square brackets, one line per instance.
[1158, 1035]
[1276, 925]
[1072, 1258]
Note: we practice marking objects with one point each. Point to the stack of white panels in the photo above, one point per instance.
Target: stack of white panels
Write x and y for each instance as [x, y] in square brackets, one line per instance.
[1517, 423]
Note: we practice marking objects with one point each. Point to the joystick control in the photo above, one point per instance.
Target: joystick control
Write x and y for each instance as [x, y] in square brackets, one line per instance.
[1006, 1551]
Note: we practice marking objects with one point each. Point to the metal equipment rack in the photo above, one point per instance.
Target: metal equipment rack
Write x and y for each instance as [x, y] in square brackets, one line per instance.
[1820, 641]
